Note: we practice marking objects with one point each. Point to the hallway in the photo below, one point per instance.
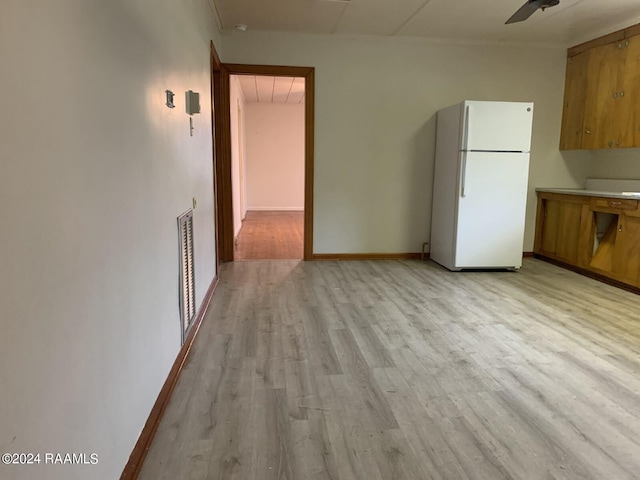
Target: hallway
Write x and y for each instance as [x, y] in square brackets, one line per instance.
[270, 235]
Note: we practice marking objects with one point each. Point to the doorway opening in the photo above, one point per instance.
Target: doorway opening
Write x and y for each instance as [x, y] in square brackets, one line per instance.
[267, 166]
[265, 173]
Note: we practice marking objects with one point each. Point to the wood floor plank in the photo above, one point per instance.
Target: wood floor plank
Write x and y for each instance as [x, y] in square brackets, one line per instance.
[354, 365]
[400, 369]
[318, 452]
[321, 349]
[374, 351]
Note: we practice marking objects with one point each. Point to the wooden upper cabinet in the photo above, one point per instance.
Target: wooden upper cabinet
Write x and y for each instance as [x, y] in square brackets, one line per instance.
[602, 84]
[602, 94]
[628, 101]
[575, 94]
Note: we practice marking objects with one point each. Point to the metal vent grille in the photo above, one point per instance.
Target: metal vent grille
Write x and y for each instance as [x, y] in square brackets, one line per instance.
[187, 273]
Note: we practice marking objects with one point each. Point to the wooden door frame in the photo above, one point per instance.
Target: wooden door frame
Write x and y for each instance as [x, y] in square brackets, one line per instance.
[216, 73]
[224, 199]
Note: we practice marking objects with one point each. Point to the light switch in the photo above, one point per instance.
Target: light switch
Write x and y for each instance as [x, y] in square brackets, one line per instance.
[195, 202]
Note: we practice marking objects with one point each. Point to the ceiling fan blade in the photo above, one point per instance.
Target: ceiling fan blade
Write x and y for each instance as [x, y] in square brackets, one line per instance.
[525, 11]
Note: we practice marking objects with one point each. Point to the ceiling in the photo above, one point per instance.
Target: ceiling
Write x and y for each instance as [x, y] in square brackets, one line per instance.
[266, 89]
[571, 22]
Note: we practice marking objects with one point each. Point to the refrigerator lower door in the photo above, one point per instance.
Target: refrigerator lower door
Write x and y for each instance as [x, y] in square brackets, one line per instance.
[491, 210]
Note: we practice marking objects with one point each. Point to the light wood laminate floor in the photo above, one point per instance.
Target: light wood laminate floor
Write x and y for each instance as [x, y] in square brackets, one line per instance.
[402, 370]
[270, 235]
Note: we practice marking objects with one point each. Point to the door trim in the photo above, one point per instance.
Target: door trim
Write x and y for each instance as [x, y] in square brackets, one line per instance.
[216, 71]
[223, 150]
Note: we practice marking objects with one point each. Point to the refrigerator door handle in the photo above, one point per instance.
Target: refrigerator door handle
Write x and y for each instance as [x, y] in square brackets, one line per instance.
[463, 173]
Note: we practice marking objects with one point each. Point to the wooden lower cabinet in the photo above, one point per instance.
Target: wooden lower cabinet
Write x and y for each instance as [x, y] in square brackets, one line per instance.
[626, 251]
[595, 234]
[560, 227]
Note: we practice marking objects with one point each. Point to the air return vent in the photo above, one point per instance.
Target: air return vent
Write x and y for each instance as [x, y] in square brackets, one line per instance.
[187, 273]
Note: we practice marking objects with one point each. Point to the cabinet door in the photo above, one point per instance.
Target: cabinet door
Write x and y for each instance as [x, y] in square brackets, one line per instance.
[561, 230]
[575, 92]
[550, 222]
[602, 87]
[626, 253]
[628, 101]
[569, 232]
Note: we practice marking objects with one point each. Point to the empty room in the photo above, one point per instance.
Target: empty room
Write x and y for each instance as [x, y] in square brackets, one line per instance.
[457, 195]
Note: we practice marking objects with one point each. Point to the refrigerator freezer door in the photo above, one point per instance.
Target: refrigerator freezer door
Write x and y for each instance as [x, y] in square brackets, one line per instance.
[491, 214]
[497, 126]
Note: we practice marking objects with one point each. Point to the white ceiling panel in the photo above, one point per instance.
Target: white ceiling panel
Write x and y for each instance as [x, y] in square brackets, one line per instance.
[296, 95]
[589, 21]
[265, 89]
[376, 17]
[313, 16]
[474, 20]
[269, 89]
[281, 89]
[570, 22]
[249, 89]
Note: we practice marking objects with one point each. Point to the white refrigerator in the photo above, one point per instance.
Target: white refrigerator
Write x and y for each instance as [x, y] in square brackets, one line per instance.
[480, 185]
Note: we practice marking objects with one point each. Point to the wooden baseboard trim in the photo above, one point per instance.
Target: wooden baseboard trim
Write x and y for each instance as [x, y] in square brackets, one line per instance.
[133, 466]
[382, 256]
[590, 274]
[275, 209]
[367, 256]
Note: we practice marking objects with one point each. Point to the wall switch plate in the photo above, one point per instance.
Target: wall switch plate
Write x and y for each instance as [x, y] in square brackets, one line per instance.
[169, 102]
[195, 202]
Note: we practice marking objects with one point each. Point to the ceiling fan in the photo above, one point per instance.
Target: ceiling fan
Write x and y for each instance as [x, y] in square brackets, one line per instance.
[529, 8]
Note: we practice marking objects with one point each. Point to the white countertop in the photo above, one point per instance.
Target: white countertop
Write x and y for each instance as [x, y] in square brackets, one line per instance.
[591, 193]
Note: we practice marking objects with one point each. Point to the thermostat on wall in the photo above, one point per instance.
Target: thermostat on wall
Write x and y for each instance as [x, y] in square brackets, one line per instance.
[192, 102]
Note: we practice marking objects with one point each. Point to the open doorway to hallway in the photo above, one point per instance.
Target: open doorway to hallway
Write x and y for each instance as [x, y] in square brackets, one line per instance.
[268, 166]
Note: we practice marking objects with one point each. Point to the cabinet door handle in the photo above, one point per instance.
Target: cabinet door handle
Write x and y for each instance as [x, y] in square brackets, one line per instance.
[611, 143]
[620, 227]
[615, 95]
[622, 93]
[588, 132]
[614, 204]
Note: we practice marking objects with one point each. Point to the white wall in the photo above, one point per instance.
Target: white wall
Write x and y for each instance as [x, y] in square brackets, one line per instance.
[615, 163]
[275, 156]
[94, 170]
[376, 100]
[238, 185]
